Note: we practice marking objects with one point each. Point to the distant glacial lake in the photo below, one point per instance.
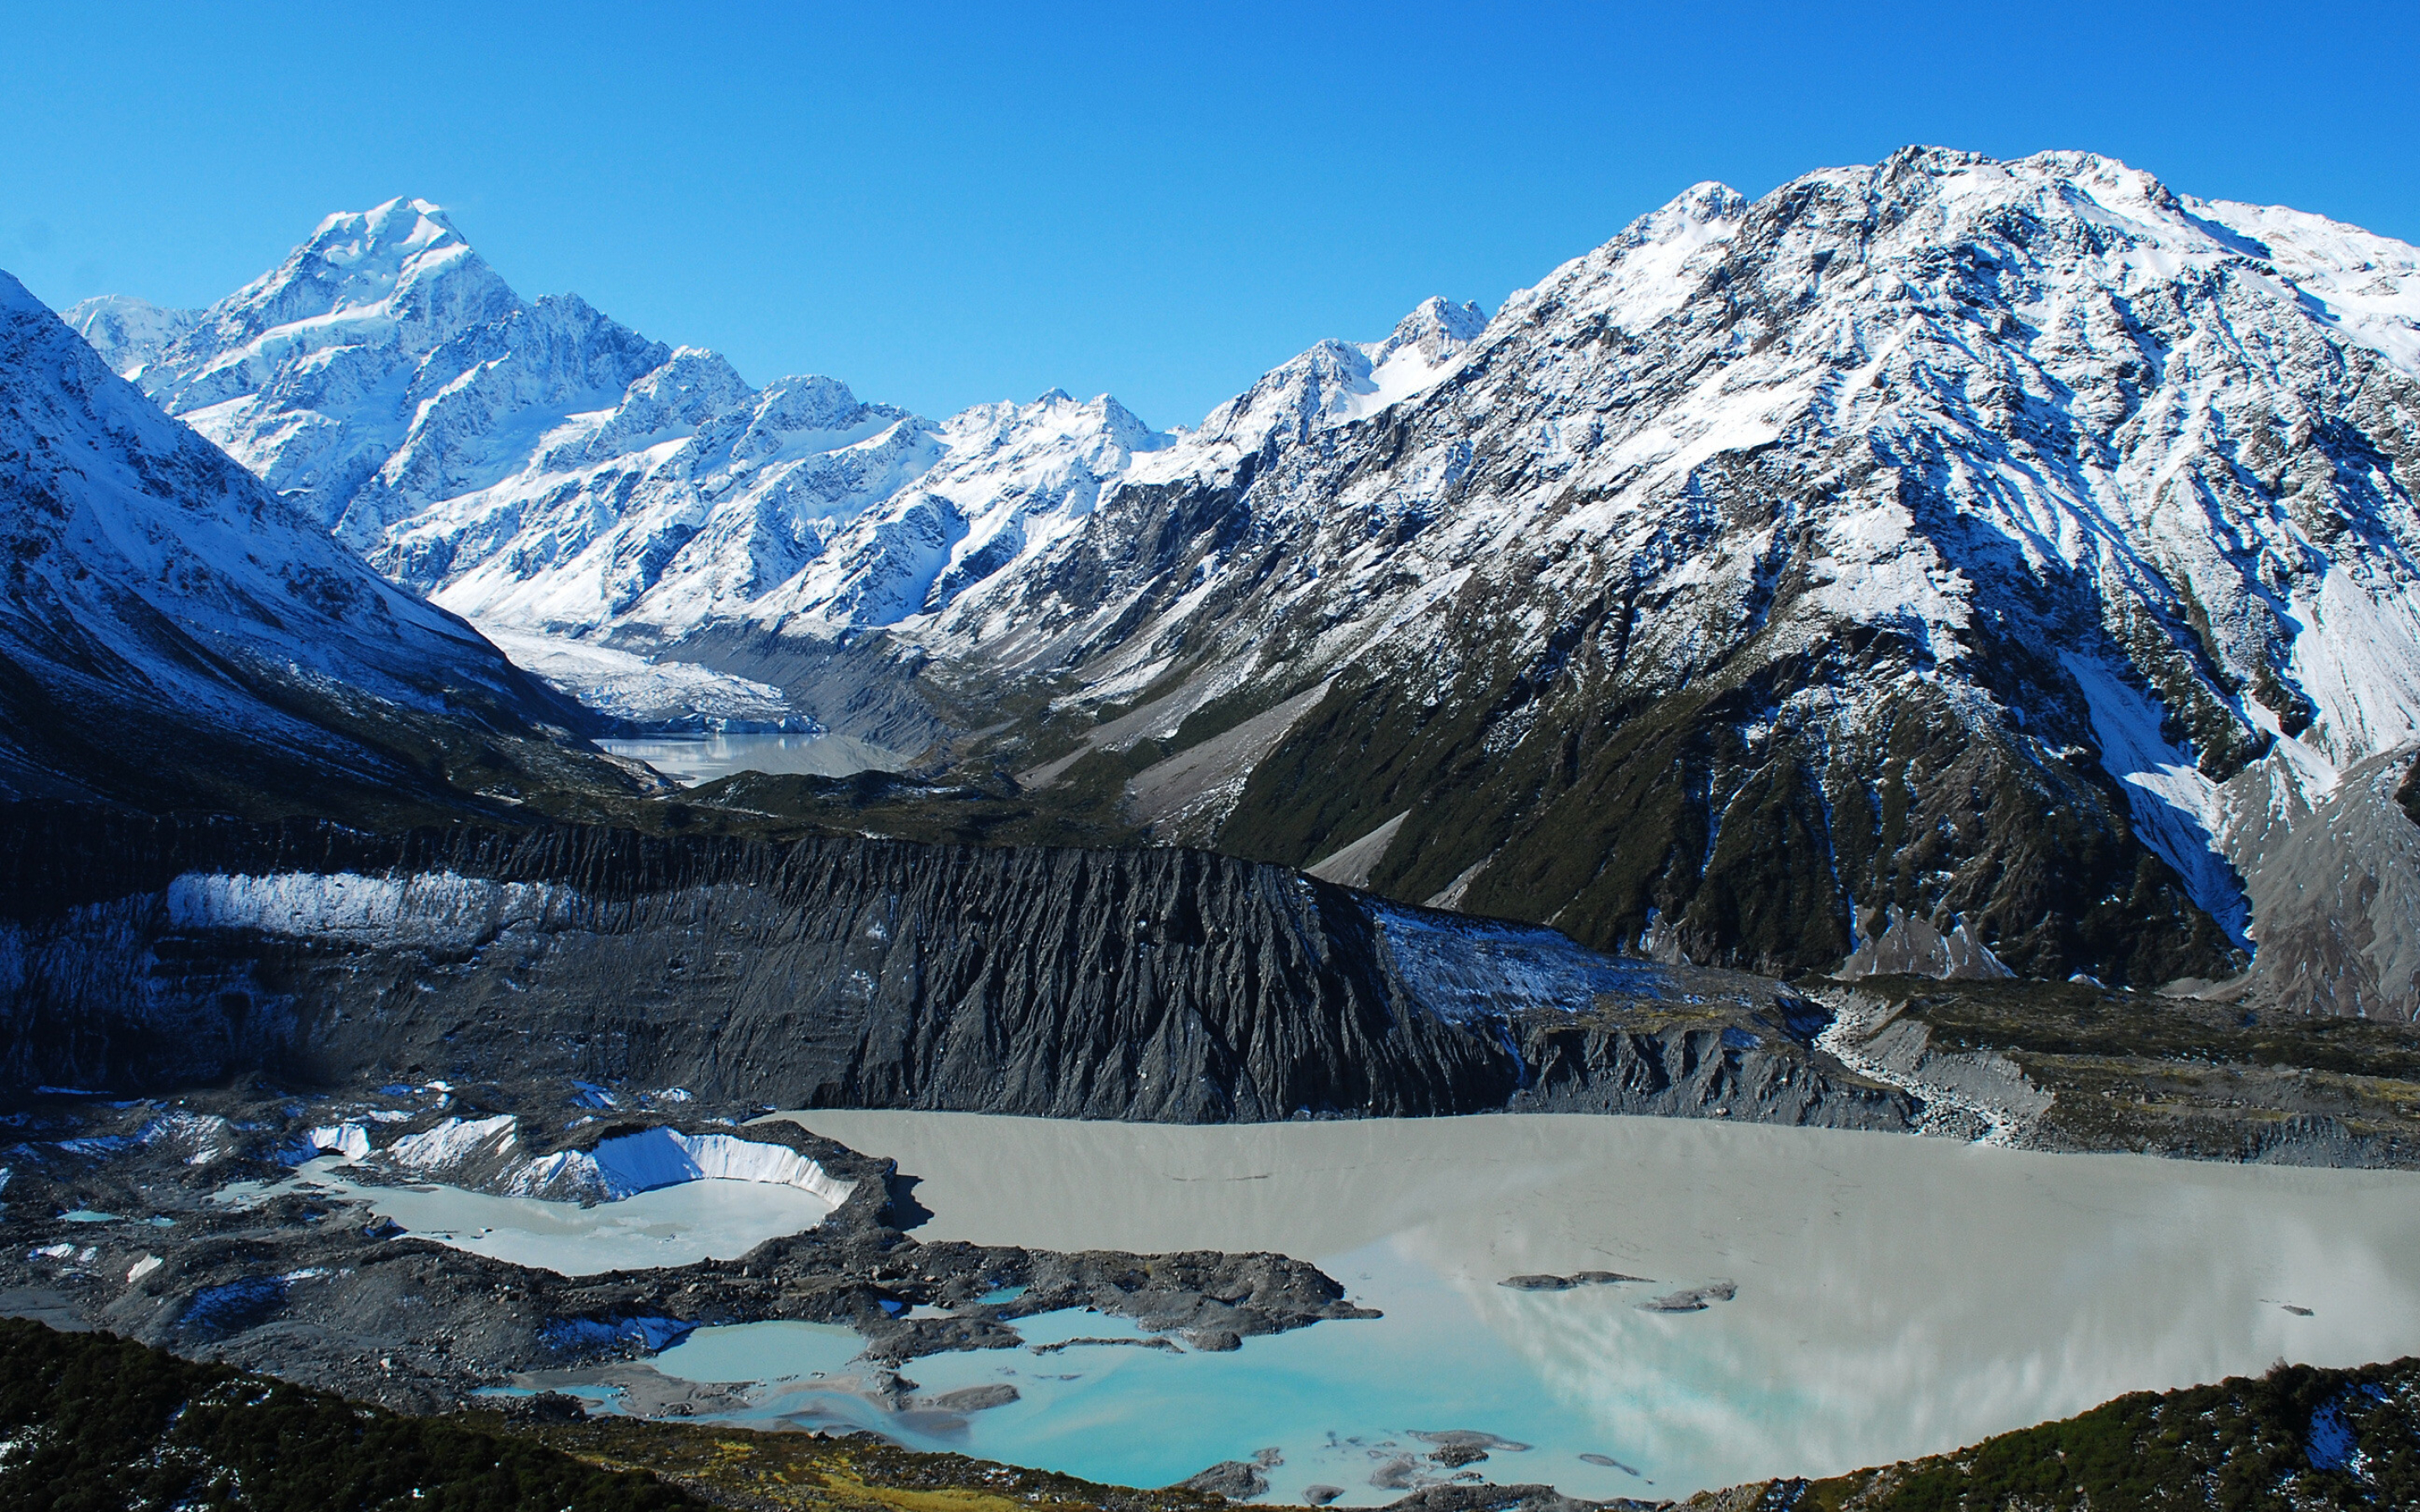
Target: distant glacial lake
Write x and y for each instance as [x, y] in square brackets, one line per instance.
[1895, 1296]
[690, 760]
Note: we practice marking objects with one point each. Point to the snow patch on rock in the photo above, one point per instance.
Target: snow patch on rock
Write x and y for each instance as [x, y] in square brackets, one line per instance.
[437, 910]
[455, 1143]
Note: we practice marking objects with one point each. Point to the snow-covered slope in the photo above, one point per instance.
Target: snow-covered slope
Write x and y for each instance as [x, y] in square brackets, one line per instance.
[1939, 534]
[1011, 481]
[162, 608]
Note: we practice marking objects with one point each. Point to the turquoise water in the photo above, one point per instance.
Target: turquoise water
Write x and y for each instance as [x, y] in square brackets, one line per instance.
[762, 1352]
[1894, 1297]
[1340, 1401]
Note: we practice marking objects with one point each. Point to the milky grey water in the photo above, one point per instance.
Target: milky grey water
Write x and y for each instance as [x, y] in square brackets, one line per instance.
[1896, 1296]
[679, 1224]
[690, 760]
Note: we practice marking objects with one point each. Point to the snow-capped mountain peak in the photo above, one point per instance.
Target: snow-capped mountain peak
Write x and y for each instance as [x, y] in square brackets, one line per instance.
[1334, 383]
[535, 466]
[397, 273]
[532, 463]
[127, 331]
[1434, 330]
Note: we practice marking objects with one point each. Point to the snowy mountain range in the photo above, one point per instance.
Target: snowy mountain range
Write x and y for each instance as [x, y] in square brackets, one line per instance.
[172, 632]
[1979, 539]
[1947, 539]
[535, 465]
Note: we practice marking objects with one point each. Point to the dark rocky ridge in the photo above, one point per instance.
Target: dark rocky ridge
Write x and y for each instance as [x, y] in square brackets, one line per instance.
[1164, 986]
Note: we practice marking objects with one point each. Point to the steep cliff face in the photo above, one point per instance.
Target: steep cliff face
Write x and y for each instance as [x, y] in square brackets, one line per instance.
[1164, 986]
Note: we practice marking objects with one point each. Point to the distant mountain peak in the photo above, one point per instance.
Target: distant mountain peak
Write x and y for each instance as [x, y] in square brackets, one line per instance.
[128, 332]
[1436, 328]
[400, 225]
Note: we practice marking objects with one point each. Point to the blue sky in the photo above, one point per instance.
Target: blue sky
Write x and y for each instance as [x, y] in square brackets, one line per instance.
[944, 205]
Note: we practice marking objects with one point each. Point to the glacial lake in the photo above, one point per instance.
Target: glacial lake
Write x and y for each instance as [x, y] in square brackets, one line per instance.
[1895, 1296]
[690, 760]
[679, 1224]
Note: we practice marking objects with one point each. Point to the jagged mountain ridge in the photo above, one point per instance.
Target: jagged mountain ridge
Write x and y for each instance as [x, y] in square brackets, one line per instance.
[173, 634]
[1940, 533]
[534, 465]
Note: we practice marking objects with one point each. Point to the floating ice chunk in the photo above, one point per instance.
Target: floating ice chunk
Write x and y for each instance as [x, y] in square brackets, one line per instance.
[633, 1164]
[349, 1141]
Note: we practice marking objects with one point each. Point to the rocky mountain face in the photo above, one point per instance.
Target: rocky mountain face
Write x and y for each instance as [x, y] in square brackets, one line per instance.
[1157, 985]
[174, 635]
[1936, 537]
[2333, 874]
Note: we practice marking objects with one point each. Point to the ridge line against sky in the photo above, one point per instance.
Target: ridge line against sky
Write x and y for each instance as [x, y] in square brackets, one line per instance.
[947, 205]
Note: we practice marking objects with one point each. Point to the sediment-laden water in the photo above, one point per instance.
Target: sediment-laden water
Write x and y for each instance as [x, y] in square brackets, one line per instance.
[677, 1224]
[1889, 1296]
[690, 760]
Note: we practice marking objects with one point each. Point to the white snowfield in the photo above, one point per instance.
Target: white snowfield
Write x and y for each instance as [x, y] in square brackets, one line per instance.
[437, 910]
